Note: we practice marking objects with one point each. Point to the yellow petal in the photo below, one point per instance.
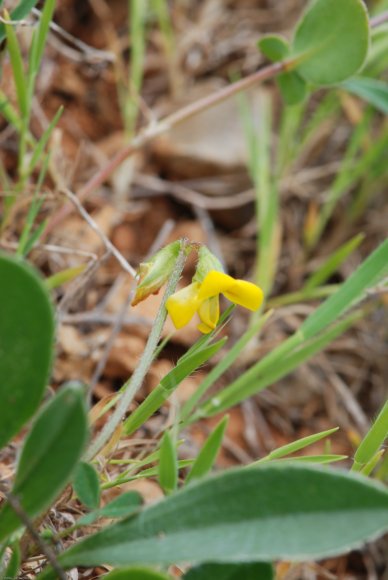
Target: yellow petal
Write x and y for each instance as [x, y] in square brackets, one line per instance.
[182, 305]
[204, 328]
[245, 294]
[209, 313]
[214, 283]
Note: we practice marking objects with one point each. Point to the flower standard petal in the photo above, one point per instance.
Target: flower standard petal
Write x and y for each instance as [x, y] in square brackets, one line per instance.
[182, 305]
[245, 294]
[209, 313]
[214, 283]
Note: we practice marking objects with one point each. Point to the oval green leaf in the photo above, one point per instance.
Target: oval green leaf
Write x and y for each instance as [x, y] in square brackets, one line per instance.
[87, 485]
[292, 512]
[292, 87]
[331, 41]
[26, 344]
[49, 456]
[274, 47]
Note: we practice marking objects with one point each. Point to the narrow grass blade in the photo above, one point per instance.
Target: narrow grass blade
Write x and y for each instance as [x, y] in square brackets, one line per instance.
[369, 273]
[353, 169]
[164, 20]
[168, 384]
[259, 148]
[272, 368]
[208, 454]
[9, 112]
[137, 25]
[39, 40]
[372, 463]
[34, 237]
[18, 73]
[40, 146]
[333, 262]
[64, 276]
[313, 459]
[373, 440]
[146, 473]
[223, 366]
[25, 243]
[296, 445]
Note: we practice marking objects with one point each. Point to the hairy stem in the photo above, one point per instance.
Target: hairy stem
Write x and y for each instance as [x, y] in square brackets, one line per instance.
[132, 386]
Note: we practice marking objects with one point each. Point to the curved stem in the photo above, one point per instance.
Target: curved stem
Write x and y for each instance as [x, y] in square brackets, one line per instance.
[132, 386]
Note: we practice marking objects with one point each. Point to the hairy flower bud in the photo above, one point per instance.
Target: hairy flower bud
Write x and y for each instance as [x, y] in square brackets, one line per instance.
[207, 262]
[154, 273]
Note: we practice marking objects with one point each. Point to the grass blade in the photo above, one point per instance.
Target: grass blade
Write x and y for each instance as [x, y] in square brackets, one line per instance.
[373, 440]
[333, 262]
[296, 445]
[208, 454]
[168, 384]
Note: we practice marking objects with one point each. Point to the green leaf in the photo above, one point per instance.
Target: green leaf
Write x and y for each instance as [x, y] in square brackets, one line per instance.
[331, 40]
[18, 73]
[332, 263]
[39, 39]
[370, 90]
[64, 276]
[185, 366]
[26, 343]
[369, 467]
[269, 370]
[23, 9]
[12, 569]
[293, 512]
[209, 452]
[313, 459]
[371, 271]
[223, 365]
[41, 144]
[296, 445]
[274, 47]
[373, 440]
[292, 87]
[87, 485]
[135, 573]
[122, 506]
[245, 571]
[168, 464]
[49, 456]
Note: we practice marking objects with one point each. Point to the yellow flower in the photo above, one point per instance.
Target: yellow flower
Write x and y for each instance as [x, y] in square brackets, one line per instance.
[203, 298]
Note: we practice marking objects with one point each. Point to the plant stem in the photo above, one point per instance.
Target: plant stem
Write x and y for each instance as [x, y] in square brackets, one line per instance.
[28, 523]
[135, 382]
